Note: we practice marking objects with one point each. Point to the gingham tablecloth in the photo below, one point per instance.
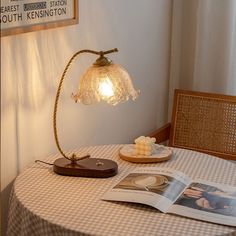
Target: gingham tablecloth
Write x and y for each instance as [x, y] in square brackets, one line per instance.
[44, 203]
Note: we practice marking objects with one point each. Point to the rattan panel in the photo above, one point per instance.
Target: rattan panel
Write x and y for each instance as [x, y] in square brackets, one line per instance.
[205, 123]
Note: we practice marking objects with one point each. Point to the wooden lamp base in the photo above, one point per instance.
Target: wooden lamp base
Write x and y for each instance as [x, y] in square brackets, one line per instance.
[89, 167]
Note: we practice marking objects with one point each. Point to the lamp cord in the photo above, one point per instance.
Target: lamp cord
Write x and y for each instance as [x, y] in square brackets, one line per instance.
[101, 53]
[36, 161]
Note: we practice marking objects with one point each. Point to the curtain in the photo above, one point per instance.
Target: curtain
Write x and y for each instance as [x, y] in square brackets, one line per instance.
[203, 47]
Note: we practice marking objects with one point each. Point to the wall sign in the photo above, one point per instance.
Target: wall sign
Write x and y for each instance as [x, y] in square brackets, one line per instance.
[20, 16]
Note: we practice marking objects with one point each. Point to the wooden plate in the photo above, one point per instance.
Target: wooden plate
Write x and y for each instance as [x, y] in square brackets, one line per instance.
[161, 153]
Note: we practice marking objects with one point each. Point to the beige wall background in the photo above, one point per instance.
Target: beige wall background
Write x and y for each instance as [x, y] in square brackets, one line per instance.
[32, 63]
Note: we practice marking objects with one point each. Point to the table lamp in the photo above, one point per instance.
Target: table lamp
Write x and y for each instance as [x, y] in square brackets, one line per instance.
[103, 81]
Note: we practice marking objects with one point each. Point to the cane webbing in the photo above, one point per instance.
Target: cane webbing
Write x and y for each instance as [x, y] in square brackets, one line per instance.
[204, 122]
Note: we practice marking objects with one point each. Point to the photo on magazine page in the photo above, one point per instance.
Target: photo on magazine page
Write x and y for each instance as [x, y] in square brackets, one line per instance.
[208, 198]
[163, 185]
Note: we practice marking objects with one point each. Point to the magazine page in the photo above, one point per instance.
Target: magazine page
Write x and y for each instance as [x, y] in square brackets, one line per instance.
[207, 201]
[152, 186]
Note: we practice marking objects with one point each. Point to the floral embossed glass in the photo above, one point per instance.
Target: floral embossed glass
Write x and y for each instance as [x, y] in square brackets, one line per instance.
[109, 83]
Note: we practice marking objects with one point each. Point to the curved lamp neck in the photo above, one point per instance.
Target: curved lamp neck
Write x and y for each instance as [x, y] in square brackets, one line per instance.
[101, 61]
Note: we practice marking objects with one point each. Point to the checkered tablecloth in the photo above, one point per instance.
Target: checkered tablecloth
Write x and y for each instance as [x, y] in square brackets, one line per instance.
[44, 203]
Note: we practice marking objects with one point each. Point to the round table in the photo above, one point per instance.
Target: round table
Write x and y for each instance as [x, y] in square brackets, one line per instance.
[44, 203]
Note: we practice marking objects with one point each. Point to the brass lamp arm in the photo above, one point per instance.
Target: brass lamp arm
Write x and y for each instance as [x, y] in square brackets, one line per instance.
[101, 53]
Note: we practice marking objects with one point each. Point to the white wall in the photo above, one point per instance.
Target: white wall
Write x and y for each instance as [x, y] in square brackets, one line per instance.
[32, 64]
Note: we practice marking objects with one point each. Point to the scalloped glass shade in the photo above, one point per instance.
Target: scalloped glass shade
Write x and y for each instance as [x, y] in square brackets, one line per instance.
[109, 83]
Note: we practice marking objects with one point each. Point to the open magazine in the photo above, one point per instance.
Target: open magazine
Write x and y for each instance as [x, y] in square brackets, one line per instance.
[171, 191]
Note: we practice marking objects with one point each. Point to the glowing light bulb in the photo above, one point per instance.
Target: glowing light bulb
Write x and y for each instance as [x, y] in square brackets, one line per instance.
[106, 88]
[109, 83]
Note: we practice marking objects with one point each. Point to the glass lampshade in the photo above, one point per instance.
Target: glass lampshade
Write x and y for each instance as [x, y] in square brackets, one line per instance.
[110, 83]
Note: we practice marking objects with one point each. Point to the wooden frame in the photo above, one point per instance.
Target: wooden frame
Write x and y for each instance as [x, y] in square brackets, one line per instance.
[57, 15]
[162, 134]
[226, 134]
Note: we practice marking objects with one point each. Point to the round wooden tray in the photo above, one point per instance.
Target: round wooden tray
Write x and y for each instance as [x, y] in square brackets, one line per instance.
[161, 153]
